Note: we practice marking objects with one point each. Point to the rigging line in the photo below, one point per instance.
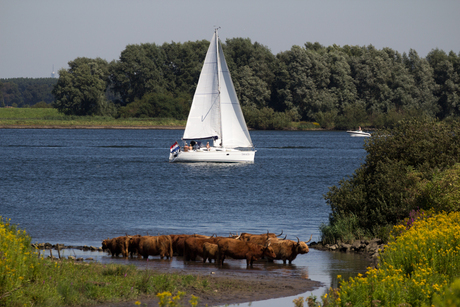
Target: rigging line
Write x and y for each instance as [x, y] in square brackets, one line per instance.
[207, 113]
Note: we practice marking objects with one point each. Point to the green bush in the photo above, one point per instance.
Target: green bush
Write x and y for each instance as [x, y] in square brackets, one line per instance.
[394, 177]
[266, 118]
[163, 105]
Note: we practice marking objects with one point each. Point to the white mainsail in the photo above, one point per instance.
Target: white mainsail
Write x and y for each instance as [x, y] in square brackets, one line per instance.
[215, 111]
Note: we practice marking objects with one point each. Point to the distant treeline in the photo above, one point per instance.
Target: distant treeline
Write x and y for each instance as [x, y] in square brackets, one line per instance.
[24, 92]
[338, 87]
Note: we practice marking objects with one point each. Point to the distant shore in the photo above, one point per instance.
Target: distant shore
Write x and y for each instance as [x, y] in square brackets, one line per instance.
[88, 127]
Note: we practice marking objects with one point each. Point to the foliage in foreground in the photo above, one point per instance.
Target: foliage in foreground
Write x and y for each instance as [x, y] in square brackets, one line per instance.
[409, 167]
[28, 279]
[417, 268]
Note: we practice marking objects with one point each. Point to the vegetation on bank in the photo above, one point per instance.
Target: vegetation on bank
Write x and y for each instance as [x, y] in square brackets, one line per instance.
[412, 166]
[407, 193]
[337, 87]
[26, 278]
[419, 267]
[32, 117]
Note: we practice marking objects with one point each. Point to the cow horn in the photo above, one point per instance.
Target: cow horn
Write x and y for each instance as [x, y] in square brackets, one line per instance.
[280, 233]
[298, 241]
[284, 237]
[310, 239]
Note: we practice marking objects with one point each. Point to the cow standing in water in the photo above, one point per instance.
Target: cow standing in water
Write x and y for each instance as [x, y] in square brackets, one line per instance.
[193, 247]
[146, 246]
[287, 250]
[238, 249]
[116, 246]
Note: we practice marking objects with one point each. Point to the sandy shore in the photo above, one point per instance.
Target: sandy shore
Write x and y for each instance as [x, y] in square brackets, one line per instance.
[232, 288]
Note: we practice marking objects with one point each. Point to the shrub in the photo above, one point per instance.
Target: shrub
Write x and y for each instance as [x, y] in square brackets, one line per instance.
[416, 268]
[17, 261]
[397, 172]
[266, 118]
[164, 105]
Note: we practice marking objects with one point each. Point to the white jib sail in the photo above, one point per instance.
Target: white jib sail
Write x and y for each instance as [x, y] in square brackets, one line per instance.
[234, 129]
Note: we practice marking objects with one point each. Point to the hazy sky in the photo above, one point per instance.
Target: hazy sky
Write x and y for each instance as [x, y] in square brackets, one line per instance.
[37, 34]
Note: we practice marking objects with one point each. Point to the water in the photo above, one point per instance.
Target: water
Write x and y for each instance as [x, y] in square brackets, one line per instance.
[79, 187]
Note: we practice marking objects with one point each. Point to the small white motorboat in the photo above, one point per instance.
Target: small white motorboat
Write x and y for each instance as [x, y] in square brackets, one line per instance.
[359, 133]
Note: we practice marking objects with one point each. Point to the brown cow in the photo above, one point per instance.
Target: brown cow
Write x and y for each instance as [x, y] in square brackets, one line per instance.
[246, 236]
[288, 250]
[116, 246]
[132, 249]
[178, 242]
[238, 249]
[193, 247]
[146, 246]
[210, 252]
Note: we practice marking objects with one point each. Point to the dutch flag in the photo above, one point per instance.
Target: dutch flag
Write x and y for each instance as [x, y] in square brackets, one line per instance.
[175, 147]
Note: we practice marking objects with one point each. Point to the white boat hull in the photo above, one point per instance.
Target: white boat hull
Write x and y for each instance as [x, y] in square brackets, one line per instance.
[218, 156]
[358, 133]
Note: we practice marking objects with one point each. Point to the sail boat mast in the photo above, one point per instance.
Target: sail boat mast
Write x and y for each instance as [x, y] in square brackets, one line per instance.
[219, 69]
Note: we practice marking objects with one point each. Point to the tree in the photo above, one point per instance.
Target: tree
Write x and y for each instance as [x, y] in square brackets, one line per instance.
[1, 96]
[163, 105]
[183, 65]
[80, 90]
[251, 66]
[302, 80]
[11, 94]
[447, 79]
[140, 70]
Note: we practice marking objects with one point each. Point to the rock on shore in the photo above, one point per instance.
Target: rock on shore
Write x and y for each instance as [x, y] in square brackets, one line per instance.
[371, 248]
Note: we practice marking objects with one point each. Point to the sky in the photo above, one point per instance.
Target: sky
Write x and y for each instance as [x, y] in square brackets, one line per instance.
[37, 35]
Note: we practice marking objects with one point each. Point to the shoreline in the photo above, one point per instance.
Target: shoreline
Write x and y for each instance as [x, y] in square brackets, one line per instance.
[90, 127]
[228, 287]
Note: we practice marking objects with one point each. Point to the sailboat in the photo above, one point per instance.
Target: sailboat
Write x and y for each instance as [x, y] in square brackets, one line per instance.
[215, 117]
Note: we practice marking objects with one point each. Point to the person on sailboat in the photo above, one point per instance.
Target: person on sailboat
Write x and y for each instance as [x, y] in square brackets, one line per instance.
[186, 148]
[207, 145]
[359, 128]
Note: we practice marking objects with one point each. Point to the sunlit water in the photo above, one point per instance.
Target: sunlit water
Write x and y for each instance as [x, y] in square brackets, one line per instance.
[78, 187]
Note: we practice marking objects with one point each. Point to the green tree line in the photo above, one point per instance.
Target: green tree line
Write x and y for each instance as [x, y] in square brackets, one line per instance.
[24, 92]
[337, 87]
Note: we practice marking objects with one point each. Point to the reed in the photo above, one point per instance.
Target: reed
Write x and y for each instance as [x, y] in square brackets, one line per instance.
[26, 278]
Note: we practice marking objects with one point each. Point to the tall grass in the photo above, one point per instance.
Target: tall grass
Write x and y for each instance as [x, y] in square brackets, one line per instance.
[417, 268]
[51, 117]
[28, 279]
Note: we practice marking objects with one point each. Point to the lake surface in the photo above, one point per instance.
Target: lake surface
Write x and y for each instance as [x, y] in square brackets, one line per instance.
[78, 187]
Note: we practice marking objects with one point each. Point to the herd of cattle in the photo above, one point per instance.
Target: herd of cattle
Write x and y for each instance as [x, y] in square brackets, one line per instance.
[251, 247]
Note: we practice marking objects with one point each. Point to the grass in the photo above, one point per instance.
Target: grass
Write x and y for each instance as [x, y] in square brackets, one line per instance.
[42, 117]
[32, 117]
[28, 279]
